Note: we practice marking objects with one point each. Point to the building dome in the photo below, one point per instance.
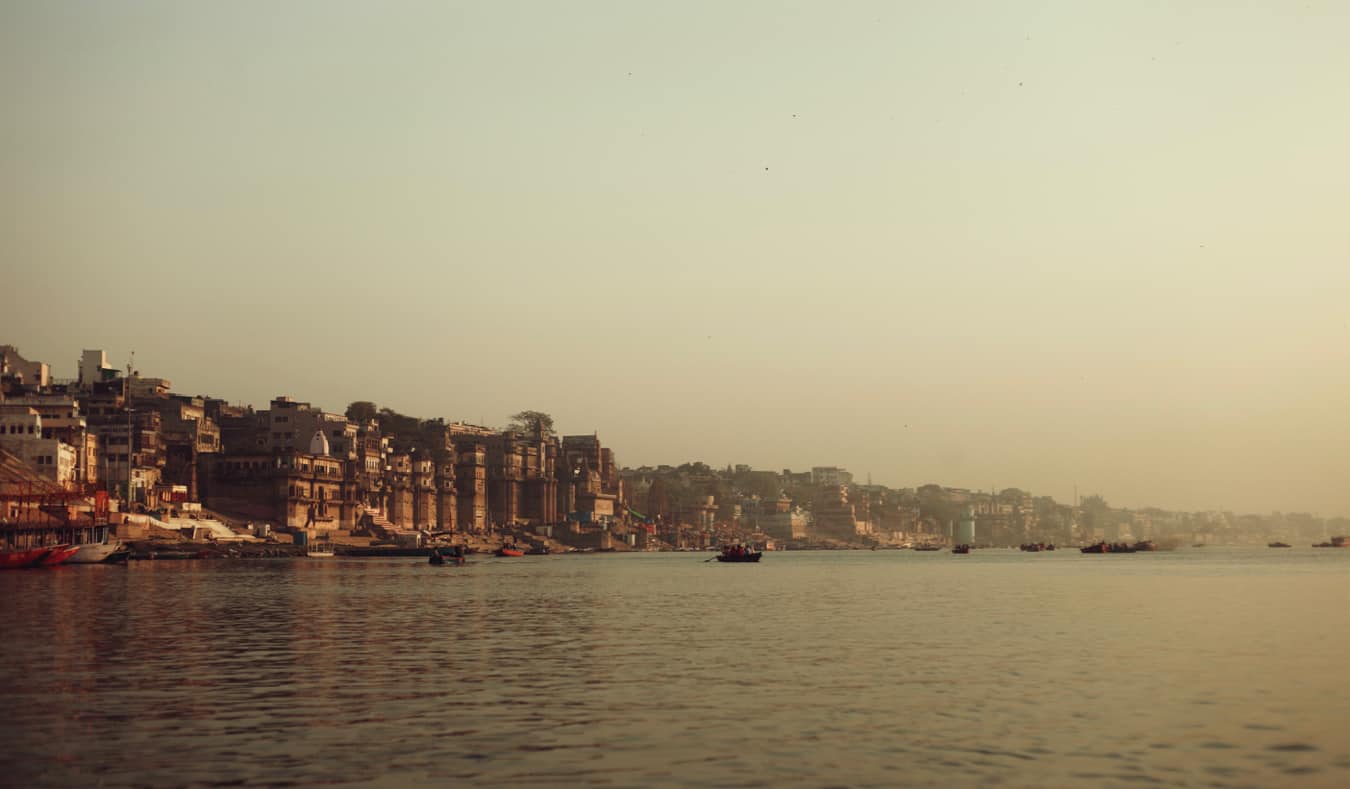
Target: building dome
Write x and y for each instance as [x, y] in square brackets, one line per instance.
[318, 445]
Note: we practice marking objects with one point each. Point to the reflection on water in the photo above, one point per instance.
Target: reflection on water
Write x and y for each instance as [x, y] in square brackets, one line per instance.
[1213, 668]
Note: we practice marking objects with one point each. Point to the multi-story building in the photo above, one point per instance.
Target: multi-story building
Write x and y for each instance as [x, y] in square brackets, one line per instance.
[93, 369]
[31, 376]
[61, 419]
[21, 435]
[830, 475]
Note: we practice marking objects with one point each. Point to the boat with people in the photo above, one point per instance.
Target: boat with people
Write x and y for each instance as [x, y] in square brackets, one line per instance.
[962, 548]
[1037, 547]
[1110, 547]
[927, 546]
[454, 556]
[738, 553]
[1334, 542]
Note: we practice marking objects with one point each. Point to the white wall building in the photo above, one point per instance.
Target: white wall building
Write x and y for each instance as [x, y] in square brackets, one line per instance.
[21, 435]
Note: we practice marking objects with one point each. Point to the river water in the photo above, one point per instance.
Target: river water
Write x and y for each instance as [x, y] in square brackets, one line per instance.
[1215, 667]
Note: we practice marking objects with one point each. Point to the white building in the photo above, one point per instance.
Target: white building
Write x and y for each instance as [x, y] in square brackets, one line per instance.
[94, 368]
[21, 435]
[62, 420]
[32, 374]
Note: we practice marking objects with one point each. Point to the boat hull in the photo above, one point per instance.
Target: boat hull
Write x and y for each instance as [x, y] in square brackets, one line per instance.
[95, 553]
[509, 552]
[17, 560]
[58, 555]
[748, 557]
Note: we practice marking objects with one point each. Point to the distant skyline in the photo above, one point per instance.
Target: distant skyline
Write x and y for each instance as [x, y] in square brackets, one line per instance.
[978, 244]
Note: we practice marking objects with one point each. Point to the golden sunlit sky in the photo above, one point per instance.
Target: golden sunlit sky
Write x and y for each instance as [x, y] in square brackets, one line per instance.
[982, 244]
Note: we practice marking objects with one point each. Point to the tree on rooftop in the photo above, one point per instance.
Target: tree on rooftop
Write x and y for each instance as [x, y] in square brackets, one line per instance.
[533, 423]
[362, 411]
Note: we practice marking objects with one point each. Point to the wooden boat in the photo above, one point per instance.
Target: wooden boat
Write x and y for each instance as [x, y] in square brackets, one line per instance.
[508, 552]
[16, 560]
[439, 558]
[1278, 545]
[96, 553]
[58, 555]
[961, 549]
[928, 547]
[748, 556]
[1113, 547]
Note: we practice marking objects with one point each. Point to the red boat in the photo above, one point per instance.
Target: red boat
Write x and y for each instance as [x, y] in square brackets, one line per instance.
[509, 552]
[15, 560]
[58, 555]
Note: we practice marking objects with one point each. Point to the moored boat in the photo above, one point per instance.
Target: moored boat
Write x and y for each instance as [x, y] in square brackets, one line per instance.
[508, 552]
[17, 560]
[96, 553]
[57, 555]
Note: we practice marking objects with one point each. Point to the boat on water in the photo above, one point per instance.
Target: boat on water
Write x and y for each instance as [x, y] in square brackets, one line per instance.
[927, 547]
[1111, 547]
[1335, 542]
[100, 553]
[505, 551]
[1036, 547]
[453, 556]
[17, 560]
[58, 555]
[738, 553]
[1278, 545]
[962, 548]
[320, 550]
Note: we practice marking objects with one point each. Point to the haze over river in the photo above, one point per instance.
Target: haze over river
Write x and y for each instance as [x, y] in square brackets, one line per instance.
[1199, 667]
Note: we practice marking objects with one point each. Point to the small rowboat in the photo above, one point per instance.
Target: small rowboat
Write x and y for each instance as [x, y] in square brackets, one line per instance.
[509, 552]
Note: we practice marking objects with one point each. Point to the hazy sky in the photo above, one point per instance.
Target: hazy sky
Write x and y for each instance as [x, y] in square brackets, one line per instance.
[980, 244]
